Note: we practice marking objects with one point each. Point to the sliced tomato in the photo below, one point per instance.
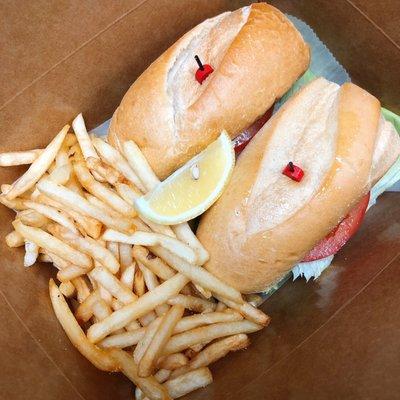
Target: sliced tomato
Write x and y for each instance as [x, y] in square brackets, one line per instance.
[242, 140]
[333, 242]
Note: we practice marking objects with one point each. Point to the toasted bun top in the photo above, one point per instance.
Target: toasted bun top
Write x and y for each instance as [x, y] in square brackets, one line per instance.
[265, 223]
[256, 53]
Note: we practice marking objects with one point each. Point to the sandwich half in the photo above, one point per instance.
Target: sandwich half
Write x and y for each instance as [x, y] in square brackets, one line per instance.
[256, 54]
[265, 223]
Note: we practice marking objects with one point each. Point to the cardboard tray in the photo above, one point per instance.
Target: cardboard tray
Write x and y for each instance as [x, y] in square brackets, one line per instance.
[336, 338]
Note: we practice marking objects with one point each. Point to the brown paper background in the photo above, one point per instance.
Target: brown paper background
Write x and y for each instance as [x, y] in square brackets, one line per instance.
[330, 339]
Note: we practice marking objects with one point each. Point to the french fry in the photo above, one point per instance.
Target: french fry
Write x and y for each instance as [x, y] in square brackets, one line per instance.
[125, 255]
[153, 263]
[152, 239]
[163, 229]
[52, 244]
[43, 199]
[101, 191]
[75, 152]
[98, 357]
[101, 205]
[201, 292]
[196, 348]
[194, 321]
[128, 276]
[53, 214]
[128, 192]
[31, 253]
[220, 306]
[132, 326]
[14, 239]
[149, 386]
[67, 289]
[15, 204]
[219, 349]
[5, 187]
[186, 339]
[101, 309]
[125, 339]
[193, 303]
[85, 224]
[149, 278]
[140, 307]
[77, 203]
[181, 370]
[141, 225]
[82, 289]
[32, 218]
[186, 235]
[61, 174]
[95, 165]
[19, 157]
[112, 157]
[152, 282]
[63, 168]
[84, 204]
[148, 318]
[105, 295]
[106, 279]
[85, 310]
[87, 246]
[116, 304]
[74, 185]
[113, 247]
[70, 272]
[163, 333]
[62, 157]
[173, 361]
[162, 375]
[161, 309]
[138, 283]
[79, 127]
[58, 262]
[198, 275]
[85, 151]
[188, 382]
[103, 172]
[38, 167]
[140, 165]
[248, 311]
[70, 139]
[144, 343]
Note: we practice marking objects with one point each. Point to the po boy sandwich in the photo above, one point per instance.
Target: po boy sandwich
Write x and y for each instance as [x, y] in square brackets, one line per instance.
[248, 59]
[311, 166]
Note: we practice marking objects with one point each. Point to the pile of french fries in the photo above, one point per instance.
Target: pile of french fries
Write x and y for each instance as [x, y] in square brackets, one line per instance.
[139, 301]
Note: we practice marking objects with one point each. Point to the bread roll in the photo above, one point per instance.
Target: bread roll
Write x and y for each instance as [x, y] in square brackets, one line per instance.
[265, 223]
[256, 53]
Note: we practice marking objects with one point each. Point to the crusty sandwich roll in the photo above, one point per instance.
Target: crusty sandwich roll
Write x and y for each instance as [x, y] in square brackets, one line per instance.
[265, 223]
[256, 53]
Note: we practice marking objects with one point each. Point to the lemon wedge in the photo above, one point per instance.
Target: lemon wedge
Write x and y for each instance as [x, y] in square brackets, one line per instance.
[193, 188]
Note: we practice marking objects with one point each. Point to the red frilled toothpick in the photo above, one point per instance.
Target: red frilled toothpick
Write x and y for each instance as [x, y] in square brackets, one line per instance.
[203, 71]
[293, 172]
